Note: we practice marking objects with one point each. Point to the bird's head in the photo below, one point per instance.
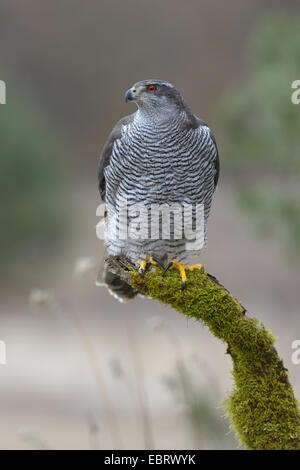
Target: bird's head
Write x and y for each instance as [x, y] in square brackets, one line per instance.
[156, 96]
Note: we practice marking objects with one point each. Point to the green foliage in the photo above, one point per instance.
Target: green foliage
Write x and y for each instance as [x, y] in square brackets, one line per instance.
[262, 406]
[31, 217]
[261, 127]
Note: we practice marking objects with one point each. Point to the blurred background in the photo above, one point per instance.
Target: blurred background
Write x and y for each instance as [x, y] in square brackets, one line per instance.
[84, 371]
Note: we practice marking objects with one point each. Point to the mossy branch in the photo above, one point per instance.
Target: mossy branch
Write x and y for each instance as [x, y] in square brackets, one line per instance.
[262, 407]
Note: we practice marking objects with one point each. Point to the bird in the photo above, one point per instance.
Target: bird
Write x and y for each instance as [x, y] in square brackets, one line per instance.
[161, 156]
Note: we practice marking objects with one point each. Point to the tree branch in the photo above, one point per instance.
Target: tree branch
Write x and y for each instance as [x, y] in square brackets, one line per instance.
[262, 407]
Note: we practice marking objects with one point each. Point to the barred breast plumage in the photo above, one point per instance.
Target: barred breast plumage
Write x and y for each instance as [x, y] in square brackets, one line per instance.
[156, 156]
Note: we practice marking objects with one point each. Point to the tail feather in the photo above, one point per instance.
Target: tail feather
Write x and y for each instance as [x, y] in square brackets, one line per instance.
[115, 285]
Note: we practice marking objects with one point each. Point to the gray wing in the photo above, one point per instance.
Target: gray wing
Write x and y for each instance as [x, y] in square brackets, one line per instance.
[197, 123]
[217, 160]
[116, 286]
[107, 151]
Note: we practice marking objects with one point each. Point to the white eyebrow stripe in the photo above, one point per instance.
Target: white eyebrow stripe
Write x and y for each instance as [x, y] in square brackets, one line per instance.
[153, 82]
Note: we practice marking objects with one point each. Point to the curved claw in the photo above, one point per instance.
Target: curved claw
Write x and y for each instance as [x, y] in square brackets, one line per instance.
[146, 263]
[142, 268]
[158, 261]
[167, 267]
[182, 270]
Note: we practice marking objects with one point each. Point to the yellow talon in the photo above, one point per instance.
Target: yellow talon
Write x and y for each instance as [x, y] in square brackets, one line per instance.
[142, 268]
[181, 268]
[191, 267]
[144, 264]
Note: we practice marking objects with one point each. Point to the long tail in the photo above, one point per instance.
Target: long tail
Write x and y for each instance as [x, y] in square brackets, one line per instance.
[115, 285]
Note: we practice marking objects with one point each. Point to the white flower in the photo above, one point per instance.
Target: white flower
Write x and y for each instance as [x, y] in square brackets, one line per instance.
[41, 298]
[84, 264]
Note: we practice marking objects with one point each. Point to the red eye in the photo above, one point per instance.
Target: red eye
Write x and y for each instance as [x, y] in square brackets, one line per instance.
[151, 88]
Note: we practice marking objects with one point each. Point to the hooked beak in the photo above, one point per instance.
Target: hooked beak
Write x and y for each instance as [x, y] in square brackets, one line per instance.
[130, 95]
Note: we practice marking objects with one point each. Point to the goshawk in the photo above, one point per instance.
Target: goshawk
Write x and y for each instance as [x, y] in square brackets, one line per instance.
[157, 175]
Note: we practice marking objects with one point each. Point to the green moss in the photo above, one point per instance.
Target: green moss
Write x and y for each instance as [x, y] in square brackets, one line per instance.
[262, 407]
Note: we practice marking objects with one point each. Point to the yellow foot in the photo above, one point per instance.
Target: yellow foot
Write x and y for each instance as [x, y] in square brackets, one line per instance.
[181, 268]
[146, 263]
